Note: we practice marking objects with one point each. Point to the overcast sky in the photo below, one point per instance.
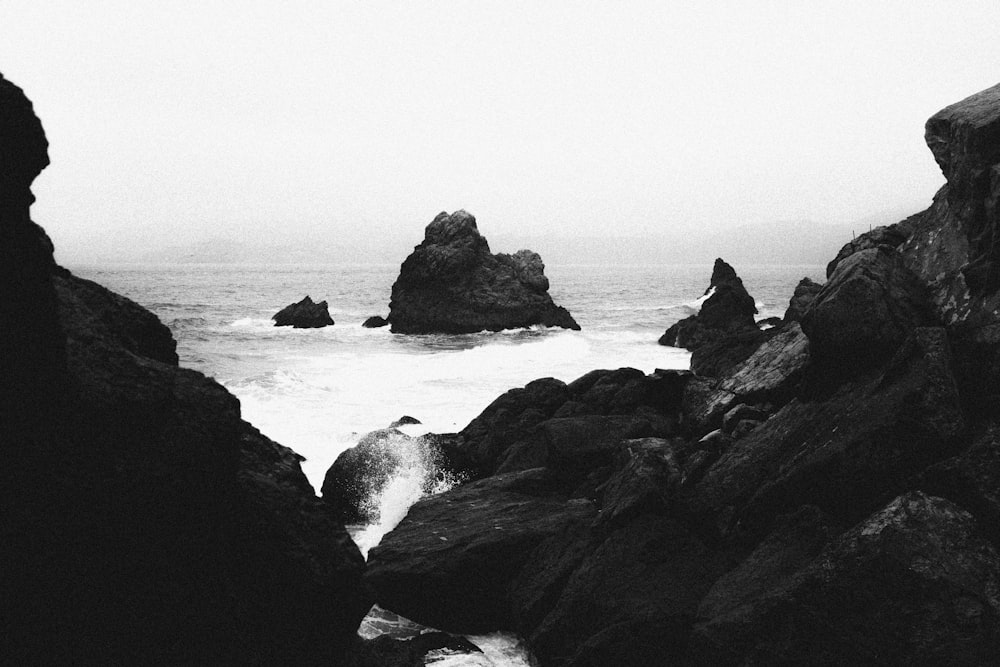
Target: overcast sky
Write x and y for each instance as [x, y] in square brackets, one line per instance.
[178, 121]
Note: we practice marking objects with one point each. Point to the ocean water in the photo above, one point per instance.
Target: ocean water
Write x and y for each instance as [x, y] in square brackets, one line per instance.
[319, 390]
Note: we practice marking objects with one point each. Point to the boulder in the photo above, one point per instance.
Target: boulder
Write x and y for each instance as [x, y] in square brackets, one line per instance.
[889, 236]
[914, 583]
[449, 564]
[452, 284]
[375, 322]
[305, 314]
[805, 293]
[357, 478]
[870, 304]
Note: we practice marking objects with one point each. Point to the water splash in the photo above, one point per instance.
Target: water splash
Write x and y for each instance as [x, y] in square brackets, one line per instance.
[403, 470]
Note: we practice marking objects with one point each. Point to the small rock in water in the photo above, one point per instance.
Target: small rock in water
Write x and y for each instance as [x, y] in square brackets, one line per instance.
[306, 314]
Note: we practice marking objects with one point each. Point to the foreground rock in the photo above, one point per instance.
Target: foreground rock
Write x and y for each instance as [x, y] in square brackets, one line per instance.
[451, 283]
[912, 584]
[144, 521]
[305, 314]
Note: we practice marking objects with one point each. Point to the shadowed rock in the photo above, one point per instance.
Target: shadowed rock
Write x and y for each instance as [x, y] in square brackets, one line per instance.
[805, 293]
[451, 283]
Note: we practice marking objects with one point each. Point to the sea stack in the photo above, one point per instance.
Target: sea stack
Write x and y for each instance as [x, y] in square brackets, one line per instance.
[305, 314]
[451, 283]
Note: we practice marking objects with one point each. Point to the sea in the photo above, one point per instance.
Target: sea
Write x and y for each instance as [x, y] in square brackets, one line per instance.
[319, 391]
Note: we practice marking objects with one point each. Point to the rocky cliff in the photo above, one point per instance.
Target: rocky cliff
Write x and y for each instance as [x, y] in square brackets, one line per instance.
[830, 497]
[143, 521]
[451, 283]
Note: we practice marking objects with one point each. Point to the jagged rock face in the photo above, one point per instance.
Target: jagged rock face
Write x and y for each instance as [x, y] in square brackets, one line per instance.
[306, 314]
[451, 283]
[143, 520]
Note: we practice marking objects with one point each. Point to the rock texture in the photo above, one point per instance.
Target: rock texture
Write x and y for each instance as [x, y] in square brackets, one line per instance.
[451, 283]
[306, 314]
[824, 492]
[144, 521]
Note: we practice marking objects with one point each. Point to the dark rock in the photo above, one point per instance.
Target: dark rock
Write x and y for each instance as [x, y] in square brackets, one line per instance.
[871, 302]
[728, 308]
[646, 478]
[451, 283]
[912, 584]
[802, 298]
[304, 315]
[374, 322]
[954, 247]
[717, 357]
[725, 626]
[631, 600]
[450, 562]
[971, 480]
[107, 314]
[771, 374]
[847, 452]
[143, 521]
[740, 413]
[405, 420]
[889, 236]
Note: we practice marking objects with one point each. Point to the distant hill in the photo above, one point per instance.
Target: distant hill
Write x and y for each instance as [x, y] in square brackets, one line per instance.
[783, 243]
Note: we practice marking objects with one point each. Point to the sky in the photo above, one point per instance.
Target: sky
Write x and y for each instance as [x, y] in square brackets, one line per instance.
[352, 122]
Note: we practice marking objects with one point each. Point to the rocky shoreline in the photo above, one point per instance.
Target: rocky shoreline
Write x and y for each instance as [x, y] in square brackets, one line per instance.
[826, 491]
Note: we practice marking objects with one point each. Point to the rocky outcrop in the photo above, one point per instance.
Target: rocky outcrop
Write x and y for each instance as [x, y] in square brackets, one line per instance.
[724, 331]
[827, 497]
[306, 314]
[375, 322]
[144, 521]
[451, 283]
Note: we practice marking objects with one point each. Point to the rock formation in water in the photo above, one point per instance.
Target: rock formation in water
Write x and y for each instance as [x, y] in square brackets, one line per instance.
[375, 322]
[724, 331]
[829, 498]
[451, 283]
[143, 521]
[306, 314]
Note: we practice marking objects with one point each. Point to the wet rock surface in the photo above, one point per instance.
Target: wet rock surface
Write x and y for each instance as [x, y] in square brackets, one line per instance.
[452, 283]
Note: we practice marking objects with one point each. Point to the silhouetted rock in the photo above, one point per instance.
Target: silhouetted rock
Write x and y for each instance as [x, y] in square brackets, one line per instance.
[405, 420]
[805, 293]
[143, 521]
[451, 283]
[724, 331]
[305, 314]
[375, 322]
